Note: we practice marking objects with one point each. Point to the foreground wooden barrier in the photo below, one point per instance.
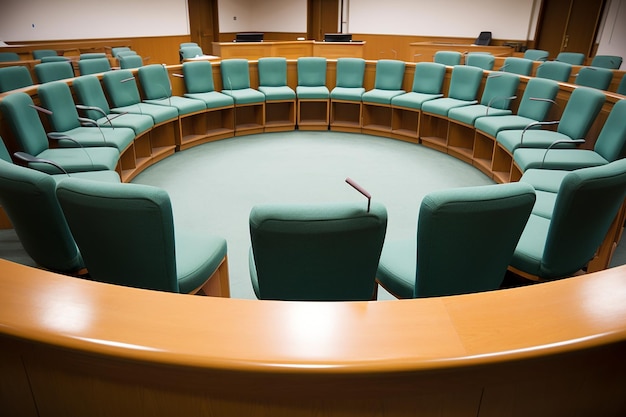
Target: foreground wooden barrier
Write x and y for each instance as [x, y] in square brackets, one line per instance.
[74, 347]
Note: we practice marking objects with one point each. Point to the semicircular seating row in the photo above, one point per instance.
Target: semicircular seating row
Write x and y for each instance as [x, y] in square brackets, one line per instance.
[95, 138]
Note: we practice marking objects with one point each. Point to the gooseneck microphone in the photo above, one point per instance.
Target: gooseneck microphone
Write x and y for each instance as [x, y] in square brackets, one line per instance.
[362, 190]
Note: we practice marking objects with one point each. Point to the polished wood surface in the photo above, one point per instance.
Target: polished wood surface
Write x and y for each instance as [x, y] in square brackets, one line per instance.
[287, 49]
[92, 347]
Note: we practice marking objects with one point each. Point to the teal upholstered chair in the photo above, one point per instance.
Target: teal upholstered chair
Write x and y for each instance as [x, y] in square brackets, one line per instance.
[535, 104]
[9, 56]
[41, 53]
[199, 85]
[126, 236]
[115, 51]
[55, 58]
[31, 138]
[536, 54]
[121, 88]
[574, 58]
[608, 147]
[54, 71]
[581, 110]
[465, 240]
[554, 70]
[157, 89]
[572, 215]
[427, 85]
[516, 65]
[312, 78]
[273, 79]
[130, 61]
[93, 66]
[316, 252]
[12, 78]
[621, 88]
[607, 61]
[464, 84]
[599, 78]
[500, 90]
[481, 60]
[236, 82]
[448, 58]
[387, 82]
[65, 120]
[185, 44]
[92, 101]
[349, 79]
[190, 51]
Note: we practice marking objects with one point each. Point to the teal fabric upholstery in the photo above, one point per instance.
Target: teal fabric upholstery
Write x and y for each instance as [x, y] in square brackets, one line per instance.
[130, 61]
[464, 84]
[312, 78]
[387, 83]
[190, 51]
[93, 66]
[12, 78]
[134, 241]
[515, 65]
[554, 70]
[92, 55]
[608, 147]
[273, 79]
[607, 61]
[121, 88]
[349, 79]
[534, 106]
[9, 56]
[54, 71]
[536, 54]
[236, 82]
[599, 78]
[157, 89]
[199, 85]
[54, 58]
[64, 119]
[92, 100]
[316, 252]
[480, 60]
[427, 85]
[581, 110]
[465, 240]
[115, 51]
[500, 90]
[28, 197]
[621, 88]
[574, 58]
[448, 58]
[30, 135]
[559, 242]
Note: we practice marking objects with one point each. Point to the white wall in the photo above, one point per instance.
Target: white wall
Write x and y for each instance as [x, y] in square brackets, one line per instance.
[613, 33]
[263, 16]
[28, 20]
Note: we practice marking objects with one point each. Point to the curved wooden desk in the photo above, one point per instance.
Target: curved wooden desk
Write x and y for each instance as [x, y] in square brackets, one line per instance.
[75, 347]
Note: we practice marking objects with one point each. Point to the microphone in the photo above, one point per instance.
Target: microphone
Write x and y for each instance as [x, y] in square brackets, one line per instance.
[125, 80]
[362, 190]
[41, 109]
[86, 122]
[26, 157]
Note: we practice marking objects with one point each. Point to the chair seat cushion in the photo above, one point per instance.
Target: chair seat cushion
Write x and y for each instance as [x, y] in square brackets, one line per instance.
[397, 267]
[469, 114]
[442, 106]
[159, 114]
[311, 93]
[104, 176]
[78, 159]
[533, 138]
[184, 105]
[246, 96]
[140, 123]
[278, 93]
[347, 93]
[379, 96]
[197, 257]
[413, 100]
[492, 125]
[118, 138]
[212, 99]
[565, 159]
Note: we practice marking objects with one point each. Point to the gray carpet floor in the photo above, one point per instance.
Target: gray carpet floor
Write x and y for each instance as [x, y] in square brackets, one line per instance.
[214, 186]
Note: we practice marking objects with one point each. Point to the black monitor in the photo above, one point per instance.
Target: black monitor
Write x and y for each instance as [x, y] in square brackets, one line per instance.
[337, 37]
[249, 37]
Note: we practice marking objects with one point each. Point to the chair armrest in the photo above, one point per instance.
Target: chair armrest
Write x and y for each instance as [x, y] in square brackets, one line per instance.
[26, 157]
[556, 143]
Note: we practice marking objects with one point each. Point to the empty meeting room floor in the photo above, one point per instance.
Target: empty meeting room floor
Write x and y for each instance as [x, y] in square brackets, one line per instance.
[214, 186]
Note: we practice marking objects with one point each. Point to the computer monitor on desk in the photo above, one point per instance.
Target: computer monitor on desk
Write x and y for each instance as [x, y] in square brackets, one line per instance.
[249, 37]
[337, 37]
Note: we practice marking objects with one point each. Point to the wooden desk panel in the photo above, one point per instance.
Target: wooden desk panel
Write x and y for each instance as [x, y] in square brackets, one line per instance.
[287, 49]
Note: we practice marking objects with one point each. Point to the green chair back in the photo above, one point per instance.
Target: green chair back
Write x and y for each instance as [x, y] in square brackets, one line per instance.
[130, 61]
[9, 56]
[536, 54]
[121, 88]
[612, 139]
[92, 55]
[478, 228]
[428, 77]
[155, 82]
[607, 61]
[190, 51]
[272, 72]
[449, 58]
[57, 97]
[599, 78]
[89, 92]
[554, 70]
[24, 122]
[499, 88]
[93, 66]
[198, 77]
[311, 71]
[515, 65]
[350, 72]
[54, 71]
[574, 58]
[537, 99]
[115, 51]
[581, 110]
[480, 60]
[389, 74]
[12, 78]
[465, 82]
[316, 252]
[235, 74]
[621, 88]
[29, 200]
